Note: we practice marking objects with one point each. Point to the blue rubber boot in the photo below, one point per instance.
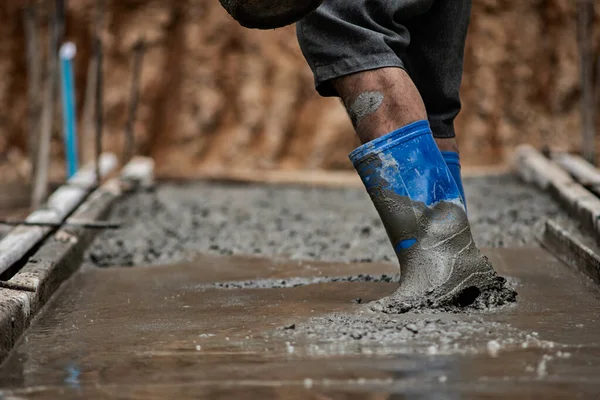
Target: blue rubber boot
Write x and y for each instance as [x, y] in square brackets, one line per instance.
[424, 215]
[452, 159]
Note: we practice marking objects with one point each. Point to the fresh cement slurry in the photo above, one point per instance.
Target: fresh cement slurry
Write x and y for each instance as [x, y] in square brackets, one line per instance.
[176, 222]
[154, 332]
[442, 283]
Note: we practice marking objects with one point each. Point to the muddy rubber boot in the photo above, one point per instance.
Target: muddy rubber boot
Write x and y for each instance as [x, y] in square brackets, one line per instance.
[425, 219]
[268, 14]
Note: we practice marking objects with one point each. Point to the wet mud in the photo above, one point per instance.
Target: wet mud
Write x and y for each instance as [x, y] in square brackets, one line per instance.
[176, 222]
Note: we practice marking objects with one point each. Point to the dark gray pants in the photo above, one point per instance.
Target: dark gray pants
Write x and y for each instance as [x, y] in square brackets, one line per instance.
[424, 37]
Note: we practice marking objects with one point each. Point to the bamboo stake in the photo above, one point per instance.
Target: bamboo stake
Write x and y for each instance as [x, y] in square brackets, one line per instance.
[34, 75]
[138, 57]
[40, 187]
[18, 242]
[88, 145]
[99, 82]
[585, 28]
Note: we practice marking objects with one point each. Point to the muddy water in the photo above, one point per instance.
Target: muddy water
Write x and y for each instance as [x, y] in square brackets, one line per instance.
[160, 332]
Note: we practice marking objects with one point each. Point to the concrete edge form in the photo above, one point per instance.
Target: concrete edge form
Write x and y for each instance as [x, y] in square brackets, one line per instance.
[581, 204]
[139, 172]
[25, 293]
[23, 238]
[584, 172]
[571, 247]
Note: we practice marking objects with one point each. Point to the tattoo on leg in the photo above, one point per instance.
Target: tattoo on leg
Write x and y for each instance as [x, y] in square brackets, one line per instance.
[365, 104]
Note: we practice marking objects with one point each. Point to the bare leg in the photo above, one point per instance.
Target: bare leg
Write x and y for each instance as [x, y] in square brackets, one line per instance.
[380, 101]
[383, 100]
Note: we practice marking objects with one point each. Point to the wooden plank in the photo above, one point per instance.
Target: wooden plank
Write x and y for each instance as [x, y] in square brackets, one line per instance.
[582, 204]
[584, 172]
[83, 224]
[572, 247]
[22, 239]
[139, 172]
[28, 290]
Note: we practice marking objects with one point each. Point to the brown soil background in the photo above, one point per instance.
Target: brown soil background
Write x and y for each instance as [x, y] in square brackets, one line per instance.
[216, 97]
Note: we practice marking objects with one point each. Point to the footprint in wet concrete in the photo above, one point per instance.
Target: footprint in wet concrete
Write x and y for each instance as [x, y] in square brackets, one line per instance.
[470, 300]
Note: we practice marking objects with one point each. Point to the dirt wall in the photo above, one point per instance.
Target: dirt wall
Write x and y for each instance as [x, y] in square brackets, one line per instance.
[215, 96]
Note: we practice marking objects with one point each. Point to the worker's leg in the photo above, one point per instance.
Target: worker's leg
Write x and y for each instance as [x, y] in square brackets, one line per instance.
[379, 101]
[358, 57]
[410, 184]
[434, 61]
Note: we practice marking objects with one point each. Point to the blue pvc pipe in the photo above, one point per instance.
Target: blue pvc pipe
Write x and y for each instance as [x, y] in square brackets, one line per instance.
[67, 52]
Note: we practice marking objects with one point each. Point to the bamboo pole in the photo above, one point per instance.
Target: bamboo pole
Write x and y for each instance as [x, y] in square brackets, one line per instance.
[585, 34]
[22, 239]
[40, 186]
[99, 98]
[34, 81]
[138, 58]
[87, 142]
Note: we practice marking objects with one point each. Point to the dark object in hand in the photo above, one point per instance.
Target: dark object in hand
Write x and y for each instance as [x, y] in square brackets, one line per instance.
[268, 14]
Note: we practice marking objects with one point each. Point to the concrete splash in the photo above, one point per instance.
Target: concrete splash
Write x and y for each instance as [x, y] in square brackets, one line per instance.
[444, 269]
[365, 104]
[422, 335]
[497, 294]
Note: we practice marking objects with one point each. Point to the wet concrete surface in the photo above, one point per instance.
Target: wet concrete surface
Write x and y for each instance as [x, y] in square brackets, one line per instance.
[177, 221]
[168, 332]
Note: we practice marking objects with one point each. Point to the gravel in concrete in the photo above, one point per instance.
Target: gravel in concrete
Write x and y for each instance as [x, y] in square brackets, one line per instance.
[425, 335]
[176, 221]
